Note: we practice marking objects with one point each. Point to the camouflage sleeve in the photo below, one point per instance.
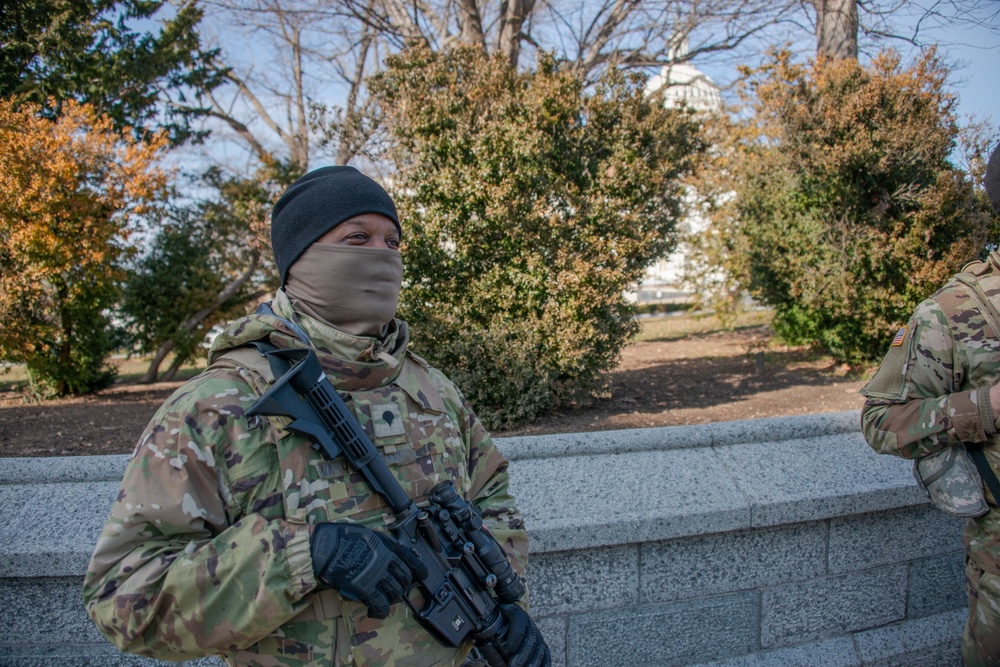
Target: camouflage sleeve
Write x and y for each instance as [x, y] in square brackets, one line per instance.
[490, 486]
[915, 402]
[491, 493]
[172, 577]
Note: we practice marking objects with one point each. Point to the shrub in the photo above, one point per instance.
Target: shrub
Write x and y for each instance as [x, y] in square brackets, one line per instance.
[847, 211]
[531, 205]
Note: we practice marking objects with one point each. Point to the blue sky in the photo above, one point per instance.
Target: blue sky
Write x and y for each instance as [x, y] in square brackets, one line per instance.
[974, 54]
[978, 84]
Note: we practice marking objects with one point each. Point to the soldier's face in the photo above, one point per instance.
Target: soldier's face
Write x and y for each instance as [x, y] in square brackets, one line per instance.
[369, 230]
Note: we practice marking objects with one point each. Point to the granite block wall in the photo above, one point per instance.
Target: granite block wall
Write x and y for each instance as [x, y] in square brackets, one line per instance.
[744, 544]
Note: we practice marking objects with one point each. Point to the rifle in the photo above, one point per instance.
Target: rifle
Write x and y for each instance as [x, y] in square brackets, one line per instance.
[468, 576]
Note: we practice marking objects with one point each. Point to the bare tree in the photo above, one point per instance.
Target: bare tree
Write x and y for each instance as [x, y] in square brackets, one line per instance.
[283, 61]
[843, 28]
[836, 28]
[592, 34]
[297, 68]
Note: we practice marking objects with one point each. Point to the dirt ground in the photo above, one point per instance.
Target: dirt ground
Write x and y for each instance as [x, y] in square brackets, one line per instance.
[719, 376]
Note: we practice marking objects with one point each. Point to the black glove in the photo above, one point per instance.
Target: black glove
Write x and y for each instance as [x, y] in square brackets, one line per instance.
[363, 565]
[522, 645]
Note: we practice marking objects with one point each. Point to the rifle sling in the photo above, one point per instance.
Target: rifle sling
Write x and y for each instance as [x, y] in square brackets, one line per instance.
[279, 366]
[985, 469]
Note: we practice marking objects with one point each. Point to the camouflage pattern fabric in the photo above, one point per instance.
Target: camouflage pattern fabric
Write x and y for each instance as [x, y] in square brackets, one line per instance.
[932, 392]
[981, 640]
[952, 482]
[206, 551]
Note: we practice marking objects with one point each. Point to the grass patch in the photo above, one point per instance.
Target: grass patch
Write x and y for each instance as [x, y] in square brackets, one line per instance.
[130, 369]
[674, 327]
[674, 323]
[662, 308]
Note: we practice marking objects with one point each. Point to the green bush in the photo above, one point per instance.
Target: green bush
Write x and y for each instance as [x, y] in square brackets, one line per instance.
[848, 210]
[204, 265]
[56, 369]
[531, 204]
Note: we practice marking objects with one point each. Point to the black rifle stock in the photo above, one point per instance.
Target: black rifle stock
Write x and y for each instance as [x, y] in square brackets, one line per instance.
[468, 572]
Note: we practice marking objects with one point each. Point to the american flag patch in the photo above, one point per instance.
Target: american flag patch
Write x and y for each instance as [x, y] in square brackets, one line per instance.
[898, 339]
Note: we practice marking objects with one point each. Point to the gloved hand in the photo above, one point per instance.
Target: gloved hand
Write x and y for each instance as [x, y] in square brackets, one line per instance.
[363, 565]
[522, 645]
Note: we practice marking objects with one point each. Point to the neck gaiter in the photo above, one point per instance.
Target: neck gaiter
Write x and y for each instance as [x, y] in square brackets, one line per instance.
[353, 289]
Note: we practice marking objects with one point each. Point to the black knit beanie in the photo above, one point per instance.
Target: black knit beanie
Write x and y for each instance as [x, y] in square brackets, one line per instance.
[992, 179]
[318, 202]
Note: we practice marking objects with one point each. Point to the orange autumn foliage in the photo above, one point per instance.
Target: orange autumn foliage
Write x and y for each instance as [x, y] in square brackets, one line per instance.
[71, 191]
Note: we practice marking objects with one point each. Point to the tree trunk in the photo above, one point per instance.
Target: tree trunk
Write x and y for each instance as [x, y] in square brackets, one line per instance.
[66, 347]
[154, 364]
[352, 136]
[175, 366]
[65, 357]
[837, 29]
[513, 15]
[471, 23]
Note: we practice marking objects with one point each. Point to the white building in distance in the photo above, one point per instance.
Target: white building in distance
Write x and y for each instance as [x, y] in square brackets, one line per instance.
[679, 83]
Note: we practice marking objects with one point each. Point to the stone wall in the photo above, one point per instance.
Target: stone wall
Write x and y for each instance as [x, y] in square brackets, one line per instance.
[777, 542]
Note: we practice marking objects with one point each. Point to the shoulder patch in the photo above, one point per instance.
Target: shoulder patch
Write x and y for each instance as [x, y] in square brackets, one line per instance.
[890, 380]
[899, 337]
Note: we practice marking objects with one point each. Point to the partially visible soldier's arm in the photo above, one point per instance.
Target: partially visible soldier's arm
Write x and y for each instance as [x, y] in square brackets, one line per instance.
[173, 577]
[915, 406]
[491, 495]
[490, 487]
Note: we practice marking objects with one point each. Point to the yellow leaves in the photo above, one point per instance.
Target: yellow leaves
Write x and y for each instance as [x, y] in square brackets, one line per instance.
[69, 187]
[70, 191]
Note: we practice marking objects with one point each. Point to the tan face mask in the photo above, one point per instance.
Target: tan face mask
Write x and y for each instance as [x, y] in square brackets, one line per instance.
[354, 289]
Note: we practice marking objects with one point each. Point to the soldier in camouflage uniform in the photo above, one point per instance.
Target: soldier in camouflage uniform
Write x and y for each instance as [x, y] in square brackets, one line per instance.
[939, 385]
[233, 537]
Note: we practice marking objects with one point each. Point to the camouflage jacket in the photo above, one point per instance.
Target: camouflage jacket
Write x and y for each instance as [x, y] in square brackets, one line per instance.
[206, 551]
[932, 389]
